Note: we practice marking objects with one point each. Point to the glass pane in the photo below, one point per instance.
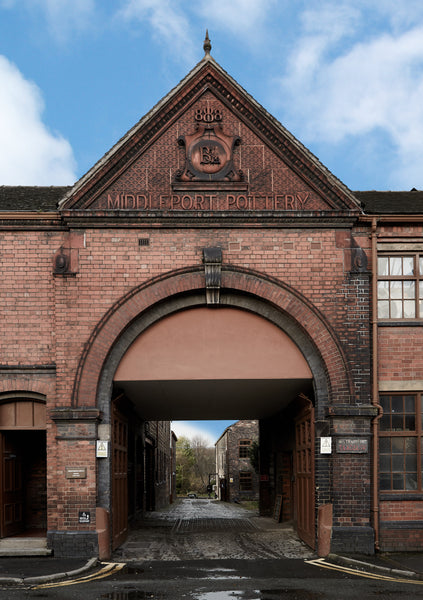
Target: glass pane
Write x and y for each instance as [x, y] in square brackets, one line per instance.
[410, 463]
[383, 290]
[398, 463]
[397, 423]
[396, 309]
[421, 265]
[385, 482]
[410, 445]
[409, 289]
[396, 289]
[385, 445]
[410, 404]
[397, 404]
[383, 309]
[397, 481]
[409, 309]
[397, 445]
[382, 265]
[410, 422]
[395, 265]
[411, 481]
[385, 463]
[408, 265]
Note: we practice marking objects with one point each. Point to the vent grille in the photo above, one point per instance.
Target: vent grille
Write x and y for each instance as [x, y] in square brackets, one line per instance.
[143, 241]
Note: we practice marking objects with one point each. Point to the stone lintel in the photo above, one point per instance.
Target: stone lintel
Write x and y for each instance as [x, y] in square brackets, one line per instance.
[365, 410]
[84, 414]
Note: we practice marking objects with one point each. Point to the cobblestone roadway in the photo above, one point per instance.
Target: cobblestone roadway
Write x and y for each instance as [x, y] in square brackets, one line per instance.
[208, 529]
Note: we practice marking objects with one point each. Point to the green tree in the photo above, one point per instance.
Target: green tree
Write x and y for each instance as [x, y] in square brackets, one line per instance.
[195, 461]
[184, 465]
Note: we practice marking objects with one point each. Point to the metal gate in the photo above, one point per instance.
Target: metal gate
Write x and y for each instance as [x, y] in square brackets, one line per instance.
[119, 478]
[304, 476]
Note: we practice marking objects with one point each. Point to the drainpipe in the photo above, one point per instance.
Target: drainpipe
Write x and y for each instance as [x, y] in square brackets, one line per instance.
[375, 391]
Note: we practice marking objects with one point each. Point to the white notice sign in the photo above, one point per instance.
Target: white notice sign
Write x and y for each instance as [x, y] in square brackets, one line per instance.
[102, 449]
[325, 445]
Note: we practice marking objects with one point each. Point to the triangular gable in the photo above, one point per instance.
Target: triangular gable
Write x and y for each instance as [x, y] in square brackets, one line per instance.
[209, 146]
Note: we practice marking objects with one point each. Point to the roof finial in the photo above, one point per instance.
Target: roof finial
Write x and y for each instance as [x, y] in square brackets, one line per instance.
[207, 44]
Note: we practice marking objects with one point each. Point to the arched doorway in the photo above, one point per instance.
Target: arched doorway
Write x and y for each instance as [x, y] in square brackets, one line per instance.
[23, 496]
[241, 360]
[226, 363]
[177, 292]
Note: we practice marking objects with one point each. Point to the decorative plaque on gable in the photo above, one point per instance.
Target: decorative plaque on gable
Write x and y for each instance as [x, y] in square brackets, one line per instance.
[208, 150]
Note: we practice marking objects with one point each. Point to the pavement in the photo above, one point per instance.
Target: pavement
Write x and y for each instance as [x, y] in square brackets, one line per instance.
[193, 529]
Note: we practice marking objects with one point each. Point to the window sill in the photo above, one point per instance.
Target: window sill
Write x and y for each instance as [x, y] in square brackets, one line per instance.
[401, 496]
[415, 323]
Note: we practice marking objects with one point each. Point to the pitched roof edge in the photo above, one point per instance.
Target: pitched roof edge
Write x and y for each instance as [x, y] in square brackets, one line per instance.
[331, 179]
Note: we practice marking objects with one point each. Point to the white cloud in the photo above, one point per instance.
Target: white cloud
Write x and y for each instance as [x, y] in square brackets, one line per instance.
[334, 91]
[169, 23]
[185, 429]
[240, 17]
[29, 153]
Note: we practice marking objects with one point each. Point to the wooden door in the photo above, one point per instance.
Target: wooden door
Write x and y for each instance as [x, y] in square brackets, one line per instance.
[12, 493]
[304, 476]
[119, 478]
[150, 468]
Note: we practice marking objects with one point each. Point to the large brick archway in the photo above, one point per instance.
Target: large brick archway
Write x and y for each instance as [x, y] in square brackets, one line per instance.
[183, 289]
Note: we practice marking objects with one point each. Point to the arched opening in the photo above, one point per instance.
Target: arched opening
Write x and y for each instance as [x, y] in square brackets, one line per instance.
[225, 363]
[23, 495]
[143, 307]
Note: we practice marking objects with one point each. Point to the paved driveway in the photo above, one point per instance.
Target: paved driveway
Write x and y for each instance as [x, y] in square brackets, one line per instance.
[192, 529]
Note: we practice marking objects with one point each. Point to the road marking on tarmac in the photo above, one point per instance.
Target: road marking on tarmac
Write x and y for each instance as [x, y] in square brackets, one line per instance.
[320, 562]
[106, 571]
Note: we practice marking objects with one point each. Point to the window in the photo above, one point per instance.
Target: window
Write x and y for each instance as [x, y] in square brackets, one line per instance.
[400, 443]
[245, 481]
[400, 287]
[244, 446]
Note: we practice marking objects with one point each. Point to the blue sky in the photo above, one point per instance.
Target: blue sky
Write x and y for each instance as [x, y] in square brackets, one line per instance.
[344, 76]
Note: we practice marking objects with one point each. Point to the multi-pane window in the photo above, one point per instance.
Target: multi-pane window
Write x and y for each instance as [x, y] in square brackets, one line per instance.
[244, 446]
[400, 443]
[245, 481]
[400, 287]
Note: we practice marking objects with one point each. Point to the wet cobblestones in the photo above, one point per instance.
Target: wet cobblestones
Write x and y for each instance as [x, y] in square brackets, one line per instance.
[205, 529]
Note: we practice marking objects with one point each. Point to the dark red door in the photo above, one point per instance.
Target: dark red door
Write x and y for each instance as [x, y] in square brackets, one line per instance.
[304, 476]
[12, 493]
[120, 478]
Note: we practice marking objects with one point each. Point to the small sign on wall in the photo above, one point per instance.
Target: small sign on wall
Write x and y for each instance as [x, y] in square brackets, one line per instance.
[352, 446]
[102, 449]
[325, 445]
[84, 516]
[76, 472]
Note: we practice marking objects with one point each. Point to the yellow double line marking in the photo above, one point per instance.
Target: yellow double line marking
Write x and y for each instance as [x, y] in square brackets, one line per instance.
[106, 571]
[320, 562]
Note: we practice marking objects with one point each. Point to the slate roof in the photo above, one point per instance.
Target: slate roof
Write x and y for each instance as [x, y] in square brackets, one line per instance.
[386, 203]
[46, 199]
[31, 198]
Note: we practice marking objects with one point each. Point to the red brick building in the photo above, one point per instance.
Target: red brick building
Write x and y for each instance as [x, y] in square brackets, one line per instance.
[209, 266]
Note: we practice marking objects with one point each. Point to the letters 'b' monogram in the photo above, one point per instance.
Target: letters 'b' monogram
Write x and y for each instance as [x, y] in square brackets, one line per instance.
[209, 155]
